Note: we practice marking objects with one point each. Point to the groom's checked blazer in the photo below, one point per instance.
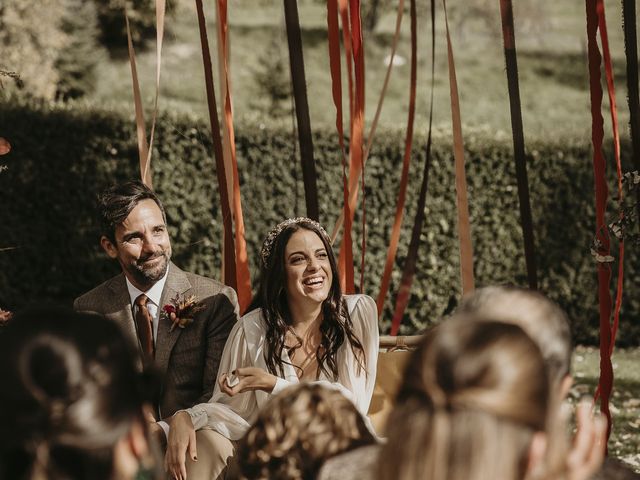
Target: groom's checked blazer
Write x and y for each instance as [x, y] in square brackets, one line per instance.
[187, 358]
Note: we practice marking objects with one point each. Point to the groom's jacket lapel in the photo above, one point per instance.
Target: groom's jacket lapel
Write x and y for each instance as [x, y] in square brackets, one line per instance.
[177, 284]
[120, 310]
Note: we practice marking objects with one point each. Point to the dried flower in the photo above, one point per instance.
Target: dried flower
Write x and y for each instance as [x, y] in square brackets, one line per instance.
[5, 316]
[181, 311]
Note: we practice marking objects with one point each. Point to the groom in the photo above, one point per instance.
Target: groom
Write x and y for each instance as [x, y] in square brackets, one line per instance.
[185, 348]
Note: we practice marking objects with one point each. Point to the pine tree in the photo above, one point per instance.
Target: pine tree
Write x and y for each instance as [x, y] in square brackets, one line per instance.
[76, 63]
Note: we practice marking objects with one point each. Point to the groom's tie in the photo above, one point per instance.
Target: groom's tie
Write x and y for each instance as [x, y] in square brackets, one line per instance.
[144, 324]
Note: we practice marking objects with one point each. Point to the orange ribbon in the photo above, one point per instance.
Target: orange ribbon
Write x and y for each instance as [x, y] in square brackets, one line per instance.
[243, 282]
[229, 256]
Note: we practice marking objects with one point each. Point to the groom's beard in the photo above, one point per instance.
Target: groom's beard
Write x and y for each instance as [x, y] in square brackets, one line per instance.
[148, 270]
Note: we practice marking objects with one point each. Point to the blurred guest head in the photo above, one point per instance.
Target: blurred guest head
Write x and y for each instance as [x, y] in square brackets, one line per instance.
[71, 399]
[474, 404]
[298, 430]
[539, 317]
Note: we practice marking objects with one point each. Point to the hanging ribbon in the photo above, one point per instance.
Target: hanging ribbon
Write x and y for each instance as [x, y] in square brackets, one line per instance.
[226, 144]
[604, 273]
[242, 260]
[296, 61]
[343, 8]
[633, 97]
[141, 131]
[333, 30]
[357, 138]
[352, 35]
[228, 258]
[354, 189]
[144, 150]
[608, 67]
[511, 59]
[160, 14]
[408, 272]
[404, 176]
[464, 229]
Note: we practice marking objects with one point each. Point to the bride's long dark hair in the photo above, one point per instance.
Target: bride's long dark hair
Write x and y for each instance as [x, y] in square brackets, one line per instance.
[336, 326]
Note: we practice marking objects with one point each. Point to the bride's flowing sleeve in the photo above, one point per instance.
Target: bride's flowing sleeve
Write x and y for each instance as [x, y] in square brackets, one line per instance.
[359, 381]
[225, 414]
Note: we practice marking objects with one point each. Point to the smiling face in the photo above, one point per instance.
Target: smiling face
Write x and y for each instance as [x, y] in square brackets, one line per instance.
[307, 268]
[142, 245]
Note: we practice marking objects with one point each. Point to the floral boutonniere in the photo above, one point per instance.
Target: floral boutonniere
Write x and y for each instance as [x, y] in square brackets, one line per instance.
[181, 311]
[5, 316]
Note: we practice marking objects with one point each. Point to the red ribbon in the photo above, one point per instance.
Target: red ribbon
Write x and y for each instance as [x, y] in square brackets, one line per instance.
[608, 68]
[345, 261]
[604, 272]
[354, 53]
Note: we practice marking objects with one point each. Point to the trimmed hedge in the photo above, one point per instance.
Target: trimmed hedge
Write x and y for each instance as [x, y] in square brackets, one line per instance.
[61, 156]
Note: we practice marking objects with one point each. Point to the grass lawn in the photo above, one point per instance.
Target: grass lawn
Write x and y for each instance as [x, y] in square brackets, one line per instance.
[550, 37]
[625, 403]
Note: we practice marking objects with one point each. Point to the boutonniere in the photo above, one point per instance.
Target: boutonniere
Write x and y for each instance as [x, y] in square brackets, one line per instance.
[5, 316]
[181, 311]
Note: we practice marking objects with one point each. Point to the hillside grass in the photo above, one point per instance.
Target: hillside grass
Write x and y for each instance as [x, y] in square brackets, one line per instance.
[625, 402]
[550, 37]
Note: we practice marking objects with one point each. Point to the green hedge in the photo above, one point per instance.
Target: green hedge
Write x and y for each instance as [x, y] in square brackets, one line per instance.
[61, 156]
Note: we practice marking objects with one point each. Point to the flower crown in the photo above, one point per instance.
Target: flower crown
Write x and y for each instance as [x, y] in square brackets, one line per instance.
[267, 246]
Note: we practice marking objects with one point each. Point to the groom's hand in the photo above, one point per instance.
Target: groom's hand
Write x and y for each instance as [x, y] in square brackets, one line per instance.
[182, 441]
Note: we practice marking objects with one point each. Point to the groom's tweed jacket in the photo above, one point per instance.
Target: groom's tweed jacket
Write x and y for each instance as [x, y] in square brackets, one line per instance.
[187, 359]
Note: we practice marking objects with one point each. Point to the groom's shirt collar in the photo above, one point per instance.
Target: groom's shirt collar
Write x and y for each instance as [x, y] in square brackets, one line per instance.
[154, 293]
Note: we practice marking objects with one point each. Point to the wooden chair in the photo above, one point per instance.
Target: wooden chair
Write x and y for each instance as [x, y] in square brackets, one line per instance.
[393, 355]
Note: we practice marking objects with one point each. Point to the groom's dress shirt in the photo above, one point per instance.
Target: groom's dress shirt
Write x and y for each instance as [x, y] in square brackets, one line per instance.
[153, 305]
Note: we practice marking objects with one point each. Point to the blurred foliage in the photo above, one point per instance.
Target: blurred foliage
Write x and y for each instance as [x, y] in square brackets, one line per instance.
[49, 47]
[62, 157]
[142, 20]
[76, 63]
[31, 39]
[274, 79]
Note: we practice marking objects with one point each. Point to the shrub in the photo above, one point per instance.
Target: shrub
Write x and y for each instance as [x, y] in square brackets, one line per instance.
[61, 157]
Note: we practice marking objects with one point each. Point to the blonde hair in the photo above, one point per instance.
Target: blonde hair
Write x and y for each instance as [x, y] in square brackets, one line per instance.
[543, 320]
[298, 430]
[473, 395]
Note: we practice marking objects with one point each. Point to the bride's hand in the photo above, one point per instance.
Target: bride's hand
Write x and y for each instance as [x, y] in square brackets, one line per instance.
[249, 378]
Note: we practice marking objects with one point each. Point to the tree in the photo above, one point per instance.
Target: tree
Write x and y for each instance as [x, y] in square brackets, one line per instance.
[142, 20]
[76, 63]
[31, 38]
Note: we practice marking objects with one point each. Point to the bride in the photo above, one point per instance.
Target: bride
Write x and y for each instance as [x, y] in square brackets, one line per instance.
[302, 329]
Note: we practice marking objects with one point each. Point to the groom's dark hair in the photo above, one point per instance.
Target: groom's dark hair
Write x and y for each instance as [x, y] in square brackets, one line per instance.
[116, 203]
